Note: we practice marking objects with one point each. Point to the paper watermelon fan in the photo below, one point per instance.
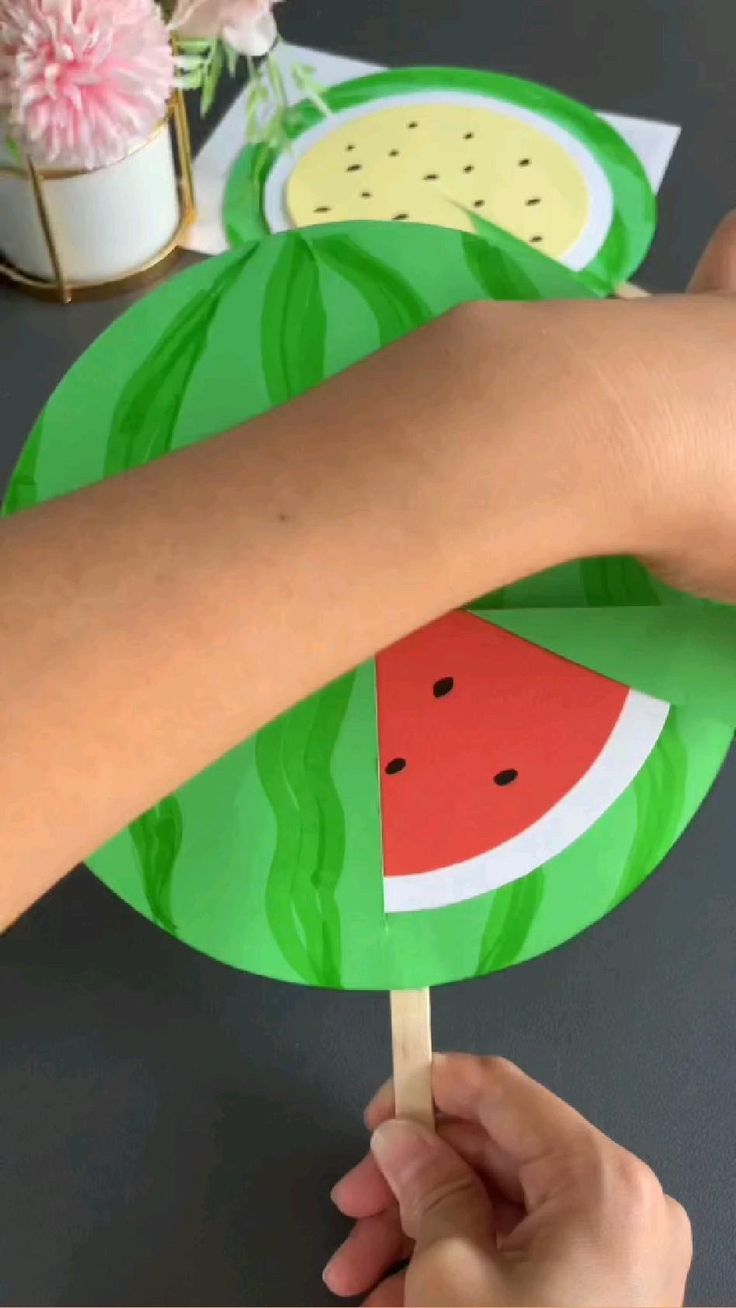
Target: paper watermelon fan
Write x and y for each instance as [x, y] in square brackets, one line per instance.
[442, 145]
[464, 801]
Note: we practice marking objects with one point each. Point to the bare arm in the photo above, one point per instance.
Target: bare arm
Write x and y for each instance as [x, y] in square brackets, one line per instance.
[151, 623]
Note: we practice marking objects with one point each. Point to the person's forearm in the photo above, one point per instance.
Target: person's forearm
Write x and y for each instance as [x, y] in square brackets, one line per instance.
[151, 623]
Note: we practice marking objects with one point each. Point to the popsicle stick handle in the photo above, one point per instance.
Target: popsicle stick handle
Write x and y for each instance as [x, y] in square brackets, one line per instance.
[629, 291]
[411, 1034]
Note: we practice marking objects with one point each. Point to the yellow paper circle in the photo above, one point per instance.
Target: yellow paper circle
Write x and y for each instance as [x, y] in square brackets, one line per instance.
[437, 163]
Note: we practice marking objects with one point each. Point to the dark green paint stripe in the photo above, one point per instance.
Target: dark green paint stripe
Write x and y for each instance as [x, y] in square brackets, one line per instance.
[510, 919]
[23, 488]
[659, 792]
[396, 307]
[294, 762]
[506, 268]
[615, 581]
[146, 414]
[157, 836]
[293, 322]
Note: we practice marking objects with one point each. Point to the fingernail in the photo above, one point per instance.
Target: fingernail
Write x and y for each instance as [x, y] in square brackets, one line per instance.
[328, 1269]
[398, 1147]
[337, 1187]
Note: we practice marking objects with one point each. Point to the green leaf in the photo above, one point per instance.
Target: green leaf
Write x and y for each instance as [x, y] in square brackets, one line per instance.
[190, 81]
[305, 81]
[211, 79]
[195, 47]
[13, 150]
[277, 81]
[231, 58]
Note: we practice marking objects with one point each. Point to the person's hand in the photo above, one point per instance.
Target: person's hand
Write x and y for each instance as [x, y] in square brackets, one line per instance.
[516, 1201]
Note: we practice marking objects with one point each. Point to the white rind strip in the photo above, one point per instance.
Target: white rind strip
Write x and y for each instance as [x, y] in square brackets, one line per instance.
[601, 197]
[624, 754]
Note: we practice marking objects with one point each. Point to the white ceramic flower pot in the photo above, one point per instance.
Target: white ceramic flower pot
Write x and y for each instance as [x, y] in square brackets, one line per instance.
[104, 224]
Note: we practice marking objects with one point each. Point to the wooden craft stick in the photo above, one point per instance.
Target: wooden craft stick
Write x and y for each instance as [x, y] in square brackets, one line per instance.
[411, 1032]
[629, 291]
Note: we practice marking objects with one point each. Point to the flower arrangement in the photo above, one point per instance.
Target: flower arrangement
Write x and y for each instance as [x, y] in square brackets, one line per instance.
[212, 35]
[82, 82]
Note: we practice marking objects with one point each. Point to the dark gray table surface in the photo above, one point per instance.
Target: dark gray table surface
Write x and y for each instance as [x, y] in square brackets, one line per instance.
[169, 1128]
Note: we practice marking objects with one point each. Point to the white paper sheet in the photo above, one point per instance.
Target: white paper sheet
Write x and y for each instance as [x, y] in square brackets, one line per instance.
[654, 143]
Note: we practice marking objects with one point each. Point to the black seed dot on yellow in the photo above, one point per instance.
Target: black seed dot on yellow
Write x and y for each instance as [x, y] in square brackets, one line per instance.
[400, 217]
[353, 168]
[536, 240]
[412, 124]
[536, 199]
[431, 177]
[393, 154]
[524, 163]
[396, 765]
[469, 136]
[349, 147]
[469, 168]
[366, 195]
[479, 204]
[506, 777]
[322, 208]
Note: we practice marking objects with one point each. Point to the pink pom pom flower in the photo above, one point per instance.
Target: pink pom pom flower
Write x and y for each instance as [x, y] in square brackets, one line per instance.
[82, 82]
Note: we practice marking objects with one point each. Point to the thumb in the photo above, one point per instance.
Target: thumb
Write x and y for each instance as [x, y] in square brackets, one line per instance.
[439, 1195]
[717, 268]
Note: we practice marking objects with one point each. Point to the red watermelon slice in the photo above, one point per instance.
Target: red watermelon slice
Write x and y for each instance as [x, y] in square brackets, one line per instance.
[495, 755]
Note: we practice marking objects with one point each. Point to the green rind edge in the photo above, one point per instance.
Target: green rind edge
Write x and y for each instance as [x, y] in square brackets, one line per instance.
[635, 204]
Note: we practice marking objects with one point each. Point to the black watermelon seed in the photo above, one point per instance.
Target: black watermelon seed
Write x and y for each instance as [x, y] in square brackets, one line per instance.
[393, 153]
[506, 777]
[535, 200]
[469, 168]
[431, 177]
[396, 765]
[524, 163]
[469, 136]
[536, 240]
[400, 217]
[443, 687]
[353, 168]
[479, 204]
[322, 208]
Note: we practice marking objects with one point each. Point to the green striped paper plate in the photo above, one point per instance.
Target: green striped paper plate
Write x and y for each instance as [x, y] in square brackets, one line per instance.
[623, 208]
[271, 860]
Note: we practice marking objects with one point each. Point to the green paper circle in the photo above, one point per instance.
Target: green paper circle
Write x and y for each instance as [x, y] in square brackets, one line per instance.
[635, 205]
[217, 345]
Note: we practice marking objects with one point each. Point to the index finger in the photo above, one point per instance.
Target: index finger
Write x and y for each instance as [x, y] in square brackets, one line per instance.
[381, 1107]
[526, 1121]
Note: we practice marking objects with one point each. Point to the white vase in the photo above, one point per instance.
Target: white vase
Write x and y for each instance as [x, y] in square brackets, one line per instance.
[104, 225]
